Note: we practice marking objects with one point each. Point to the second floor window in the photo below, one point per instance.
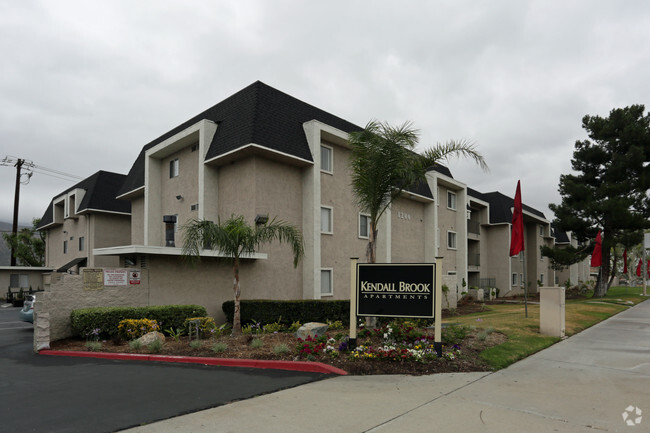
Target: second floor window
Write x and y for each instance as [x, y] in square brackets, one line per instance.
[82, 243]
[451, 240]
[65, 247]
[326, 158]
[451, 200]
[364, 226]
[173, 168]
[326, 220]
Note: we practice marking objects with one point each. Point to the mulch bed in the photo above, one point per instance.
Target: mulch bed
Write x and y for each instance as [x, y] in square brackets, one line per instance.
[240, 348]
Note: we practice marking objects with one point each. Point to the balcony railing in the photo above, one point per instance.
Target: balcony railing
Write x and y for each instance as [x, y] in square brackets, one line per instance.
[474, 227]
[474, 259]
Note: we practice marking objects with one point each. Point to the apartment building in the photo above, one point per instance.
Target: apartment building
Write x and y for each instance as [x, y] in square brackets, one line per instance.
[82, 218]
[490, 227]
[263, 154]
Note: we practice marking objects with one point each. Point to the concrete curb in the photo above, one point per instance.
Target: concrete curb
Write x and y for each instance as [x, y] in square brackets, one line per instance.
[310, 367]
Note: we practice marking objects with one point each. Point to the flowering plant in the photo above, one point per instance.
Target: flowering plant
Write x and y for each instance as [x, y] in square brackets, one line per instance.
[131, 329]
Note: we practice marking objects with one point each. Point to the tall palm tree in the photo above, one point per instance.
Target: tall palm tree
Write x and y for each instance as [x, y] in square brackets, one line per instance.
[235, 238]
[383, 163]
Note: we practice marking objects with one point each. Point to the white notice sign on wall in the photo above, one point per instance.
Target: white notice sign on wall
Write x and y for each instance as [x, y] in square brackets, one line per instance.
[115, 277]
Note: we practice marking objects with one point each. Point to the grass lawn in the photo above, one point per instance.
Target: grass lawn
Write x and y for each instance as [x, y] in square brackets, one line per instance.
[523, 334]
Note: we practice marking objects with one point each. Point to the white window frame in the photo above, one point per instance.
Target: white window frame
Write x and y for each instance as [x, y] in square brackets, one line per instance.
[330, 271]
[174, 168]
[65, 247]
[330, 160]
[541, 230]
[367, 217]
[455, 237]
[82, 243]
[521, 280]
[455, 202]
[514, 279]
[331, 220]
[541, 279]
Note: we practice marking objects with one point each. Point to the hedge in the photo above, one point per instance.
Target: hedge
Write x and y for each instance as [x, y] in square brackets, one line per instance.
[266, 311]
[107, 319]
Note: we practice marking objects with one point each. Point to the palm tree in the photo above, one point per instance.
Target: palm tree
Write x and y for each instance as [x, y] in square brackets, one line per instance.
[383, 163]
[235, 238]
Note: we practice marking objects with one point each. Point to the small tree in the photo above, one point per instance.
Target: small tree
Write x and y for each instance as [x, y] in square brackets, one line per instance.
[28, 245]
[235, 238]
[383, 164]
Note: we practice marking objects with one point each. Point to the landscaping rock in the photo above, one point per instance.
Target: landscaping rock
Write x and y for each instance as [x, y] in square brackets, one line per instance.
[150, 337]
[312, 329]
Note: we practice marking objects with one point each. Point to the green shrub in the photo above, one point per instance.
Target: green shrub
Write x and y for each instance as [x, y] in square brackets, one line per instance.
[107, 319]
[155, 346]
[257, 343]
[219, 347]
[289, 311]
[196, 344]
[280, 349]
[454, 334]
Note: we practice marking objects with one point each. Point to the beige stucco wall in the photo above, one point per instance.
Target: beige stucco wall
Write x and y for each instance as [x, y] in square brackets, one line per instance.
[448, 221]
[407, 225]
[137, 221]
[74, 228]
[108, 230]
[497, 261]
[67, 293]
[344, 243]
[184, 185]
[236, 185]
[210, 282]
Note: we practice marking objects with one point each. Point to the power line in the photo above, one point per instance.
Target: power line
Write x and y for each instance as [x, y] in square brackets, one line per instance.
[29, 167]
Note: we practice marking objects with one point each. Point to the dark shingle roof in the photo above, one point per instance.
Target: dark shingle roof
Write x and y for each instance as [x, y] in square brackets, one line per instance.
[501, 205]
[256, 114]
[101, 190]
[561, 237]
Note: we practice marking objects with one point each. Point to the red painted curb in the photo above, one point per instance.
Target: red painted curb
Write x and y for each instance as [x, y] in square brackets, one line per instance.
[310, 367]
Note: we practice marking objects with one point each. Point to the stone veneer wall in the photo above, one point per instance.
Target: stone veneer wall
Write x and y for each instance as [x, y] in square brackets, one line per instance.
[66, 293]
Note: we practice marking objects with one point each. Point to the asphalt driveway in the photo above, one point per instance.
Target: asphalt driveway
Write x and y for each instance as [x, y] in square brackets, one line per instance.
[58, 394]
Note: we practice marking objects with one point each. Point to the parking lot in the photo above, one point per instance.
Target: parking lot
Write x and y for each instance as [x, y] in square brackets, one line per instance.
[59, 394]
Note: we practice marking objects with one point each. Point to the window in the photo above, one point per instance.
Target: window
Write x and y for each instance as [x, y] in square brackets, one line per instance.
[194, 207]
[521, 256]
[326, 158]
[326, 220]
[194, 147]
[521, 280]
[451, 240]
[82, 243]
[451, 200]
[364, 226]
[173, 168]
[65, 247]
[514, 278]
[541, 230]
[326, 282]
[541, 279]
[18, 281]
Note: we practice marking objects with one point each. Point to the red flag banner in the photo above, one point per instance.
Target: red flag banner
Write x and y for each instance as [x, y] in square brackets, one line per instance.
[625, 261]
[517, 238]
[597, 255]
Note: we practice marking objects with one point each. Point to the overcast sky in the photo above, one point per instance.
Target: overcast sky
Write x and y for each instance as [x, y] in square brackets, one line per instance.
[85, 84]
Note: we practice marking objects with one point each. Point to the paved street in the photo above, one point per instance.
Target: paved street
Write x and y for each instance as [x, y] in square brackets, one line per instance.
[68, 395]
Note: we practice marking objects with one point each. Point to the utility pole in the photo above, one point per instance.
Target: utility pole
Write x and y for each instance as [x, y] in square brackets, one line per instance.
[19, 166]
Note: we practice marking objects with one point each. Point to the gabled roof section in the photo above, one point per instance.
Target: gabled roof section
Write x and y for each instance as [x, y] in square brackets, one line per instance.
[101, 189]
[257, 114]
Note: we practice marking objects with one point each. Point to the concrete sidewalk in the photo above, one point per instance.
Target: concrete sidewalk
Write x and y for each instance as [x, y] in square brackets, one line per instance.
[582, 384]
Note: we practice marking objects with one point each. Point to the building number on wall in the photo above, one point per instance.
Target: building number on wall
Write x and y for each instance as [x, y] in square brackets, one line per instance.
[404, 215]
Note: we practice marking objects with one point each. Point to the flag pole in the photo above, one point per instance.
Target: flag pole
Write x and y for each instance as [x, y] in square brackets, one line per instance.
[525, 286]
